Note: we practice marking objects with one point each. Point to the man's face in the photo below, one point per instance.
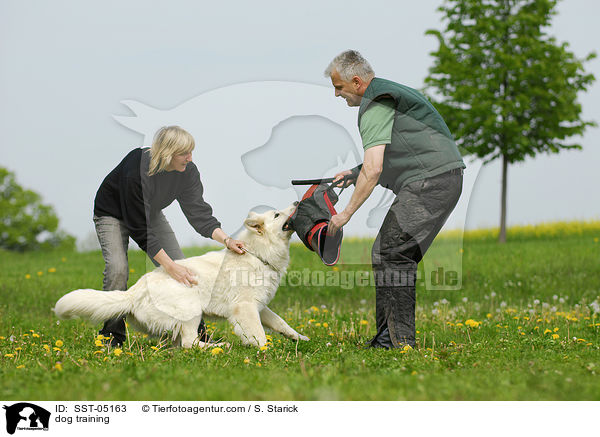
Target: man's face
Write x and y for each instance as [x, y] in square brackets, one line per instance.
[346, 89]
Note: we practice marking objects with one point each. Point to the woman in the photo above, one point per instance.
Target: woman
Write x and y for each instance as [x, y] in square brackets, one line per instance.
[129, 203]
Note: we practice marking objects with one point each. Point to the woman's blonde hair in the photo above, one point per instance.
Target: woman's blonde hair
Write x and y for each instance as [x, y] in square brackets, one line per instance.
[168, 142]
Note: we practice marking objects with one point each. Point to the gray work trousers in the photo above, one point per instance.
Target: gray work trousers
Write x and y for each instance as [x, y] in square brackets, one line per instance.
[114, 241]
[417, 214]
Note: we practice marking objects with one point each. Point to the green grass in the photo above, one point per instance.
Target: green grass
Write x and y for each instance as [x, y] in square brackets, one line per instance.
[515, 297]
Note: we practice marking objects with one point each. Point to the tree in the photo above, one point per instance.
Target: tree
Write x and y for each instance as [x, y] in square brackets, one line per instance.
[26, 223]
[509, 90]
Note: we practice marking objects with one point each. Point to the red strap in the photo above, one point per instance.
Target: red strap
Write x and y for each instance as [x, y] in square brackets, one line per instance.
[332, 210]
[314, 230]
[309, 192]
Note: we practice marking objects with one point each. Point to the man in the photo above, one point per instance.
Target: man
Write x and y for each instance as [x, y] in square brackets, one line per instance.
[409, 150]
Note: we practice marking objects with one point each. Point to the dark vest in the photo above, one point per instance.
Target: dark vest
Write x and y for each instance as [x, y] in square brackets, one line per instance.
[421, 146]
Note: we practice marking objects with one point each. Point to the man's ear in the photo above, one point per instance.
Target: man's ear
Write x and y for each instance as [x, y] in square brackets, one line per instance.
[255, 223]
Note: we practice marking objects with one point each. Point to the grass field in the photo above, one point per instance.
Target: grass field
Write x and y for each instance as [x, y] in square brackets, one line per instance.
[524, 326]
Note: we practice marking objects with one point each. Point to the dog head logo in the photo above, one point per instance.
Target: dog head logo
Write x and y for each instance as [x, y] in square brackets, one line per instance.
[255, 137]
[25, 416]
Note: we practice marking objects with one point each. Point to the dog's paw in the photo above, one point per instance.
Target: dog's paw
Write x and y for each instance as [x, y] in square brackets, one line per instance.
[303, 337]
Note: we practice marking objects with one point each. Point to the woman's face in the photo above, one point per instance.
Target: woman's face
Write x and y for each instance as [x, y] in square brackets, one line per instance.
[179, 162]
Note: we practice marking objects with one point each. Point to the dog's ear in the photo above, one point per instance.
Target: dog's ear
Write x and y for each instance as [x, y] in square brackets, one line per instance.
[255, 223]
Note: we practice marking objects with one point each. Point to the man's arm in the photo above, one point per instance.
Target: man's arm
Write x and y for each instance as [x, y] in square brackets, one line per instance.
[366, 182]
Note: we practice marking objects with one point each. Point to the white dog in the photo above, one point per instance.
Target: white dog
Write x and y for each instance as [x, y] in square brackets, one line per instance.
[236, 287]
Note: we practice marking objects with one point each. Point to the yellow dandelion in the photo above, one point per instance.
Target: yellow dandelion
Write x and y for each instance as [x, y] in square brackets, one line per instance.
[56, 349]
[364, 322]
[246, 360]
[264, 348]
[555, 329]
[35, 335]
[269, 337]
[9, 355]
[472, 323]
[459, 325]
[22, 366]
[312, 321]
[98, 343]
[258, 365]
[2, 338]
[217, 351]
[154, 348]
[414, 372]
[27, 276]
[59, 343]
[98, 352]
[18, 349]
[325, 325]
[58, 366]
[555, 336]
[407, 347]
[63, 259]
[596, 240]
[314, 309]
[118, 352]
[546, 331]
[581, 340]
[52, 270]
[488, 315]
[318, 325]
[40, 273]
[46, 347]
[131, 270]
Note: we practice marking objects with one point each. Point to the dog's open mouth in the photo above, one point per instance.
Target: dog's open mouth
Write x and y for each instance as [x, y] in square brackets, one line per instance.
[286, 226]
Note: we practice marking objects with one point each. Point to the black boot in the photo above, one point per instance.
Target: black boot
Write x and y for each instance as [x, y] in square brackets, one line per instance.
[115, 329]
[204, 336]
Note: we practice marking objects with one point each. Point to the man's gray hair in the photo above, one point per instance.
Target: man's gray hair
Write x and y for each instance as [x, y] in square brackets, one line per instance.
[349, 64]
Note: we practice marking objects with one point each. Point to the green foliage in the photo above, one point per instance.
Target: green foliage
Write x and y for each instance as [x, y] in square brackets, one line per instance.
[25, 222]
[508, 89]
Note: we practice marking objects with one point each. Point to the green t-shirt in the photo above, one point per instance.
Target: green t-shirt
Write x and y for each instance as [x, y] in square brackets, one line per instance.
[376, 124]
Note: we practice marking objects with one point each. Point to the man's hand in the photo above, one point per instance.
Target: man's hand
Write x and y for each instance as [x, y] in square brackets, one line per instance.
[337, 222]
[340, 175]
[181, 274]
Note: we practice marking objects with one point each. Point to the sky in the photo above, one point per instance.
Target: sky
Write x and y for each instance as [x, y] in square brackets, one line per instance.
[81, 84]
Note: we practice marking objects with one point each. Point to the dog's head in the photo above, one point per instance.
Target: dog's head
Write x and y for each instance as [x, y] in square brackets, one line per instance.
[271, 224]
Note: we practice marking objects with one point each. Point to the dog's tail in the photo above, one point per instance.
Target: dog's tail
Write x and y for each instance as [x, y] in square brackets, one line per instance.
[97, 306]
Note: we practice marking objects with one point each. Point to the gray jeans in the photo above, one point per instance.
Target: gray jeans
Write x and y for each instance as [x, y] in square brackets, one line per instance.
[416, 216]
[114, 241]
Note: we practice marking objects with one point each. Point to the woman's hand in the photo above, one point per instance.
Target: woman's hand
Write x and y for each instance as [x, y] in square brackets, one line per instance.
[181, 274]
[235, 245]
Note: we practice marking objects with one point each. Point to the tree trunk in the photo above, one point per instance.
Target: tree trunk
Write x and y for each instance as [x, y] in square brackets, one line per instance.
[502, 236]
